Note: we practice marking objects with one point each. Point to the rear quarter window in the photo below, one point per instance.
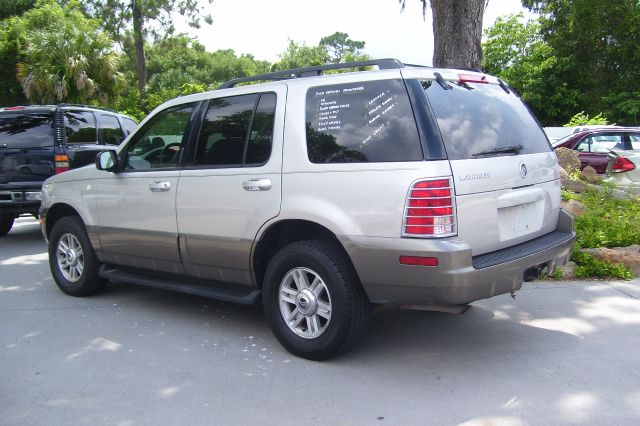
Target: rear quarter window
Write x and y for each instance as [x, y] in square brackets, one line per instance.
[476, 117]
[80, 127]
[361, 122]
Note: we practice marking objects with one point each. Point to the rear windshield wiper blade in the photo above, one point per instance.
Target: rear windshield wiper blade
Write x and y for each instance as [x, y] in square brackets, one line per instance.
[511, 149]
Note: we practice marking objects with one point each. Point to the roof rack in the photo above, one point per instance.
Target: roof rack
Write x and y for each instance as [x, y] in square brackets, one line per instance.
[383, 64]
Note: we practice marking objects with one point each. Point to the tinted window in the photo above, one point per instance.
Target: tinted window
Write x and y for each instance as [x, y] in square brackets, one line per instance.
[160, 142]
[129, 125]
[260, 137]
[475, 118]
[110, 129]
[225, 129]
[20, 130]
[361, 122]
[80, 127]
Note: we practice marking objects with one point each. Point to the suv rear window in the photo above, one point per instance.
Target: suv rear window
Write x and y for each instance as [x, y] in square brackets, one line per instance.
[477, 117]
[369, 121]
[26, 130]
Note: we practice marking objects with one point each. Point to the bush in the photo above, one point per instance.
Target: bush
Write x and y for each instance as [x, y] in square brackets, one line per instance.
[590, 267]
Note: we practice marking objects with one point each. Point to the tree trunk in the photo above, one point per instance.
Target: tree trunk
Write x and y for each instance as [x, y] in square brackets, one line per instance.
[457, 33]
[141, 62]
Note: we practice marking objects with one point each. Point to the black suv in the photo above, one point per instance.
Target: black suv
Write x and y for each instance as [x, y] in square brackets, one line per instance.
[42, 140]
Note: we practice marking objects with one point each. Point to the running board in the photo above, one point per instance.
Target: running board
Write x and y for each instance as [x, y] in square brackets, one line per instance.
[236, 294]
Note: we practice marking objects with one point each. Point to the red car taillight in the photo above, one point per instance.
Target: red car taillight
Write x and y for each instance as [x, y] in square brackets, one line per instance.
[430, 209]
[62, 163]
[622, 164]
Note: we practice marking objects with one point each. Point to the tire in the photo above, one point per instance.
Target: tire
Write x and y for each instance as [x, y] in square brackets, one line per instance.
[313, 283]
[73, 263]
[6, 223]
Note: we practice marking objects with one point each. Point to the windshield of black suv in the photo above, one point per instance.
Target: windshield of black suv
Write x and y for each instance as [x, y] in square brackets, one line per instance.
[478, 120]
[26, 130]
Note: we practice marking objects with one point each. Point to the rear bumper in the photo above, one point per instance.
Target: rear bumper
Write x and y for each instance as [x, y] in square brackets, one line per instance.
[20, 199]
[455, 280]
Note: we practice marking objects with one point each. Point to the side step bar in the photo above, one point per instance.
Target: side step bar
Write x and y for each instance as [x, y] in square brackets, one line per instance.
[235, 294]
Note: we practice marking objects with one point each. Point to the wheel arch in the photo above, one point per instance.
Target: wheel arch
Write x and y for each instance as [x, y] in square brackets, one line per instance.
[284, 232]
[57, 212]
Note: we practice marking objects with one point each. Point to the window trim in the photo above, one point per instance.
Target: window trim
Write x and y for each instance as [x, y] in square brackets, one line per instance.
[101, 140]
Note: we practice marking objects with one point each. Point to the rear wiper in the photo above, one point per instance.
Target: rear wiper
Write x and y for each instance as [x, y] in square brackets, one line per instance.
[511, 149]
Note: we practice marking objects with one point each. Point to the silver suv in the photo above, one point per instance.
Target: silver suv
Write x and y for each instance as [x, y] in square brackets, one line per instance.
[319, 195]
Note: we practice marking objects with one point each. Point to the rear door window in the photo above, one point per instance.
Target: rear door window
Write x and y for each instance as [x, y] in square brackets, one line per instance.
[110, 130]
[370, 121]
[601, 143]
[26, 130]
[237, 131]
[476, 118]
[634, 138]
[80, 127]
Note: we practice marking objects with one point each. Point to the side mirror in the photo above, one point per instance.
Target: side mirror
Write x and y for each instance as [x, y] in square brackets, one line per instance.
[107, 161]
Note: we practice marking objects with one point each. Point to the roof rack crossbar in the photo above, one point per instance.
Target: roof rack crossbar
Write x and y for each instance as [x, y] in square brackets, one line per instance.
[383, 64]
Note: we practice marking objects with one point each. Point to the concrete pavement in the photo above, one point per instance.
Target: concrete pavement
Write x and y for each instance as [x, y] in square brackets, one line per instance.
[560, 353]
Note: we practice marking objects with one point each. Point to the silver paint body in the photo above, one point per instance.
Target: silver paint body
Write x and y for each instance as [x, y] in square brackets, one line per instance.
[207, 223]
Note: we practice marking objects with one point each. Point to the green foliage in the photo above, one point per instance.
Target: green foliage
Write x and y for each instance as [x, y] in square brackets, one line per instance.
[588, 266]
[608, 221]
[59, 55]
[339, 45]
[515, 51]
[300, 55]
[599, 41]
[10, 8]
[582, 119]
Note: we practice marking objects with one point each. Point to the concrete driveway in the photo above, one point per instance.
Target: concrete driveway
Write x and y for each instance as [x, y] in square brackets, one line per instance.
[560, 353]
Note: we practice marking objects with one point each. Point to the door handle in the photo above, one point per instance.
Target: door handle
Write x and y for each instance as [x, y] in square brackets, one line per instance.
[257, 184]
[159, 186]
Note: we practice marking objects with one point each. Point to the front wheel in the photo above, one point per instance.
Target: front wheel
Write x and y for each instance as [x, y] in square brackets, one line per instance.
[6, 223]
[73, 263]
[313, 300]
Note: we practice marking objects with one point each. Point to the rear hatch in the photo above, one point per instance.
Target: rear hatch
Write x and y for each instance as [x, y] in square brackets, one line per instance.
[26, 146]
[504, 171]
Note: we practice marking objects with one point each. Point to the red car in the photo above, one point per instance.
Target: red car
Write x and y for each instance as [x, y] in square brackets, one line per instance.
[593, 145]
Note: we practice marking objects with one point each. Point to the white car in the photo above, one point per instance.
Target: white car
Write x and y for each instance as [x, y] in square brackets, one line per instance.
[623, 170]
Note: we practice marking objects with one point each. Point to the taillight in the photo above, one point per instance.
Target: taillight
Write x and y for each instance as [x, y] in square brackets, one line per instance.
[430, 210]
[62, 163]
[622, 164]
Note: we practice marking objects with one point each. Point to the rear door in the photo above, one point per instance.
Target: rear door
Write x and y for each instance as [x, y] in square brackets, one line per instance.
[26, 146]
[233, 186]
[505, 174]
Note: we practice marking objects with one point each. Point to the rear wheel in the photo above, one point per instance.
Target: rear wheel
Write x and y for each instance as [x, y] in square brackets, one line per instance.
[313, 300]
[73, 263]
[6, 223]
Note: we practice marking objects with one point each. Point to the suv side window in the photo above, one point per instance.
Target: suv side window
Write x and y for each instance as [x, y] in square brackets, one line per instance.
[237, 130]
[110, 130]
[80, 127]
[369, 121]
[160, 143]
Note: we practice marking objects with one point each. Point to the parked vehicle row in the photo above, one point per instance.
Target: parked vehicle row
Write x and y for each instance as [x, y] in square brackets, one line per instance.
[39, 141]
[319, 195]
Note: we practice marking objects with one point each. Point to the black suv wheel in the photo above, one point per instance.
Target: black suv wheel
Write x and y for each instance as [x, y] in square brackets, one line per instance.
[6, 223]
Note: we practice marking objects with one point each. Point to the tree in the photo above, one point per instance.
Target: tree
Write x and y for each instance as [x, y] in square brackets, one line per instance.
[9, 8]
[339, 45]
[457, 31]
[59, 55]
[515, 51]
[301, 55]
[599, 39]
[119, 16]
